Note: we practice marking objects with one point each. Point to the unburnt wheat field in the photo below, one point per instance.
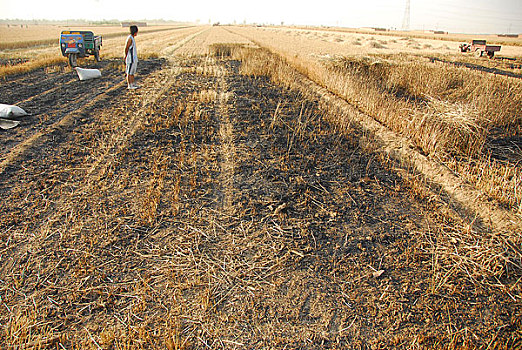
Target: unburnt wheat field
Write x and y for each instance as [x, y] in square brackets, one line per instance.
[265, 188]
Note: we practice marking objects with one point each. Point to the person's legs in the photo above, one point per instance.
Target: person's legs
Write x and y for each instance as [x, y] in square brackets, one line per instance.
[134, 70]
[131, 70]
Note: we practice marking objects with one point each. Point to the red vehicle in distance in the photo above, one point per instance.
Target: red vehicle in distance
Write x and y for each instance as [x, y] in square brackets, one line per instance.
[479, 47]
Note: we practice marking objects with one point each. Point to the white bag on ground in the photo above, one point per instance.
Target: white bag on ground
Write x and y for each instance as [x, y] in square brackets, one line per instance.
[8, 124]
[8, 111]
[86, 74]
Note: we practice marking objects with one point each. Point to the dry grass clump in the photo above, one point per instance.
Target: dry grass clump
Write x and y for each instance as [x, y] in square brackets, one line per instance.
[28, 66]
[376, 45]
[261, 63]
[206, 96]
[501, 180]
[482, 258]
[223, 50]
[23, 328]
[398, 96]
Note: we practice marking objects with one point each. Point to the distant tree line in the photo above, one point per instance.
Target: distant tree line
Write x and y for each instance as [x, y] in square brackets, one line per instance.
[79, 22]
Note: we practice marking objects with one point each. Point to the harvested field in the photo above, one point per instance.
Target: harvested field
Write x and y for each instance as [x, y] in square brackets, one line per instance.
[222, 207]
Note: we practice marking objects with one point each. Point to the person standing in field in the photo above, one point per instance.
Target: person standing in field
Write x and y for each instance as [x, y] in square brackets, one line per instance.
[131, 58]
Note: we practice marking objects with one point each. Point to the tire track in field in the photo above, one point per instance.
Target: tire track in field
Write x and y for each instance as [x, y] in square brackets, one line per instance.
[227, 147]
[32, 85]
[122, 137]
[47, 92]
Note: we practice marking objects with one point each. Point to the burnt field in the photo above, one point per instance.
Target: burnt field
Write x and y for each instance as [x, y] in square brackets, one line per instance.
[212, 209]
[52, 96]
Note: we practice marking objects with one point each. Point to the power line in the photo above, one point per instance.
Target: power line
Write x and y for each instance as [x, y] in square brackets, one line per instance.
[406, 19]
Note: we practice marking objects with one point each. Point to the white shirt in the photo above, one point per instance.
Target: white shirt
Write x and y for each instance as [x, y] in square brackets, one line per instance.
[132, 55]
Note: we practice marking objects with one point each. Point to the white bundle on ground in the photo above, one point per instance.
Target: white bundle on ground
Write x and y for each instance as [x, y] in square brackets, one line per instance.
[86, 74]
[8, 124]
[8, 111]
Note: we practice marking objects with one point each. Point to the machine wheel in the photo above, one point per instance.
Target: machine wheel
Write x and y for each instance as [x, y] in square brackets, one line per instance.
[73, 60]
[491, 54]
[97, 55]
[478, 53]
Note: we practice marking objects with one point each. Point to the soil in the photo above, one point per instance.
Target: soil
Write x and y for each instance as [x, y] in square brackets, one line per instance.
[216, 210]
[504, 147]
[12, 61]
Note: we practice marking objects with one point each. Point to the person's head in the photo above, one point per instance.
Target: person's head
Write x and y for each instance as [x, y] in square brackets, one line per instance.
[133, 30]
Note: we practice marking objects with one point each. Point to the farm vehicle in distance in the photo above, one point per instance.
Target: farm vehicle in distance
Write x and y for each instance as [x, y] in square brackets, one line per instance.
[479, 47]
[75, 44]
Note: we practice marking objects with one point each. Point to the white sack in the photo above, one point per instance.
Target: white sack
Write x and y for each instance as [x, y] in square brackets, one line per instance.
[86, 74]
[8, 124]
[8, 111]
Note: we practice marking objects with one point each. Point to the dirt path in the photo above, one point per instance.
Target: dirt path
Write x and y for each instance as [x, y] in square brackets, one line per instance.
[211, 209]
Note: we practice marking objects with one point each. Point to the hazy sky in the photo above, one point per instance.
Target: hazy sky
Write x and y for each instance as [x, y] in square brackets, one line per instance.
[479, 16]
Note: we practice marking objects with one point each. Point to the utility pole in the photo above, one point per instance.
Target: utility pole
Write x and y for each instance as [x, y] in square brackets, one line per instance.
[406, 19]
